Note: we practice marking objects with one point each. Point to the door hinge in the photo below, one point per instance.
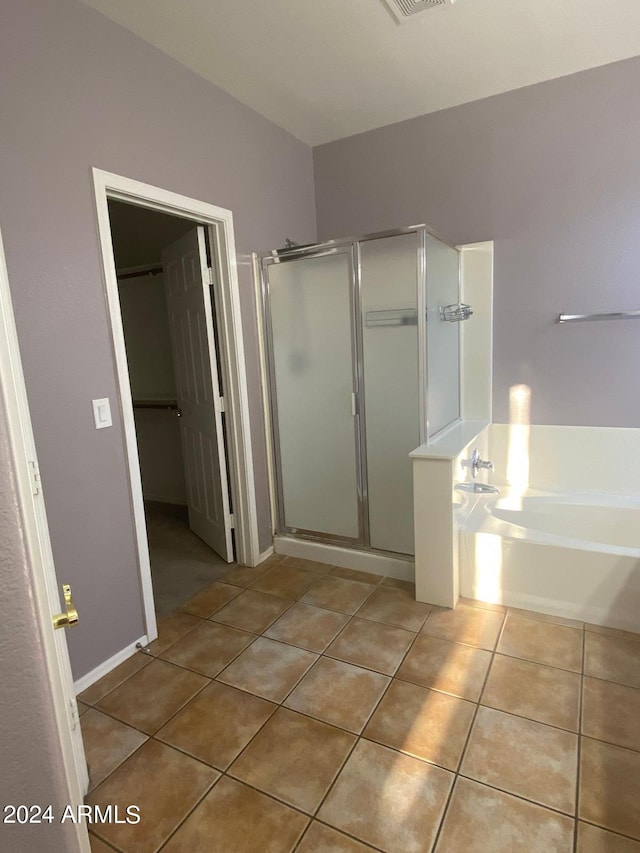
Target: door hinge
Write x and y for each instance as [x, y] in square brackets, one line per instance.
[210, 274]
[73, 714]
[221, 404]
[232, 521]
[36, 485]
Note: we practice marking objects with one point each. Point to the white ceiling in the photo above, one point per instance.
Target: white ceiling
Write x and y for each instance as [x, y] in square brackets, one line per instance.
[325, 69]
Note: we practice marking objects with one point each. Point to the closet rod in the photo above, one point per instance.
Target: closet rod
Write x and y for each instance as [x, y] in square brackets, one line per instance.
[155, 404]
[155, 270]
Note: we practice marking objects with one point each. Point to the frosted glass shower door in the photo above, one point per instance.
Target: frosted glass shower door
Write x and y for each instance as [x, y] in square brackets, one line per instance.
[311, 345]
[389, 303]
[443, 339]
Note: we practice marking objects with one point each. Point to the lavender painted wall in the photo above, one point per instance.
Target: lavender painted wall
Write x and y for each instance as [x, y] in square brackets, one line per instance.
[551, 173]
[78, 91]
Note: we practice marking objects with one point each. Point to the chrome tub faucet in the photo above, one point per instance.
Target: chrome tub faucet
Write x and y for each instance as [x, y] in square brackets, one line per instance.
[477, 488]
[476, 463]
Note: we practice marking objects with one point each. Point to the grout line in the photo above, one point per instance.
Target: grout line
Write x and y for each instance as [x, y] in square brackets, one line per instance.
[579, 753]
[606, 829]
[190, 811]
[463, 751]
[108, 844]
[537, 803]
[539, 663]
[313, 820]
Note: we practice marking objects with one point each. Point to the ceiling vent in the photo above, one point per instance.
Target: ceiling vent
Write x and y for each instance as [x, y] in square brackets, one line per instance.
[407, 10]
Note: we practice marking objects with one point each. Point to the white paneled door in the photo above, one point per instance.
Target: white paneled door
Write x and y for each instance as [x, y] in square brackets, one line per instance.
[198, 390]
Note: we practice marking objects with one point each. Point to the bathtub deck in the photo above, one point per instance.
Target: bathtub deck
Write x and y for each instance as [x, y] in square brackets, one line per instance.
[343, 709]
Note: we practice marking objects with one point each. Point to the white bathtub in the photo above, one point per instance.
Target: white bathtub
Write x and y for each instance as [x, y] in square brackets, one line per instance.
[571, 555]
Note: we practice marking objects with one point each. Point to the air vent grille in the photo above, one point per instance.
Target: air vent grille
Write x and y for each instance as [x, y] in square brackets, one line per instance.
[405, 10]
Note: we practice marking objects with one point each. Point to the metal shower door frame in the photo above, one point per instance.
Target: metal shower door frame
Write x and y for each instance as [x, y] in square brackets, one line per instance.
[351, 245]
[344, 247]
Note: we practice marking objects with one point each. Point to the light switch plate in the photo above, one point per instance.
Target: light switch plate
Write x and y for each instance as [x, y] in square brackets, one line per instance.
[102, 413]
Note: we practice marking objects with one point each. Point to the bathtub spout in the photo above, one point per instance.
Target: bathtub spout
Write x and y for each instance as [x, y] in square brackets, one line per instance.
[476, 488]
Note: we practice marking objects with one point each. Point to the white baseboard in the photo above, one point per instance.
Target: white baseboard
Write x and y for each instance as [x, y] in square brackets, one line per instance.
[265, 554]
[106, 667]
[346, 558]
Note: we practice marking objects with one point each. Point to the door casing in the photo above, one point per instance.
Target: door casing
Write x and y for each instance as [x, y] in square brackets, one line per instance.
[219, 221]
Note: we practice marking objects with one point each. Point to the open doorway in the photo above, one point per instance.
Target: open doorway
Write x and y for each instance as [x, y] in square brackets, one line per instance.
[162, 267]
[210, 230]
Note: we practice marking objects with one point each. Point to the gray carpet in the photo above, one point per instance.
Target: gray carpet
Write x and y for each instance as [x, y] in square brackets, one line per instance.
[181, 563]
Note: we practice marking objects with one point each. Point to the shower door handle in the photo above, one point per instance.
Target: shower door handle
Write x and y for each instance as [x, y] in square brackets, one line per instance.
[354, 404]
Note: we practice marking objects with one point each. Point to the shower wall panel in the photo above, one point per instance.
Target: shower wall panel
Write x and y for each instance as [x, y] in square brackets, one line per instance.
[443, 339]
[388, 289]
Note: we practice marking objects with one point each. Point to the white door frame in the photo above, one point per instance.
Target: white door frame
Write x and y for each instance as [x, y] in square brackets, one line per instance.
[41, 567]
[233, 371]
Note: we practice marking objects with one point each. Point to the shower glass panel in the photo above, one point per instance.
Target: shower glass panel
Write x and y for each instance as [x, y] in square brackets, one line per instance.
[312, 345]
[443, 338]
[389, 272]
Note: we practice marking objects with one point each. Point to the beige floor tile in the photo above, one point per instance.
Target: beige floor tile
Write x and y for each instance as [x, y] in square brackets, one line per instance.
[450, 667]
[392, 801]
[612, 632]
[245, 575]
[273, 560]
[593, 839]
[338, 693]
[163, 783]
[483, 605]
[542, 642]
[98, 846]
[152, 695]
[541, 693]
[268, 669]
[355, 575]
[422, 723]
[308, 627]
[610, 787]
[106, 743]
[338, 594]
[82, 708]
[173, 628]
[397, 583]
[288, 582]
[612, 658]
[473, 626]
[294, 758]
[372, 645]
[525, 758]
[209, 648]
[311, 565]
[205, 603]
[113, 679]
[322, 839]
[611, 712]
[252, 611]
[395, 607]
[483, 820]
[546, 617]
[217, 725]
[236, 819]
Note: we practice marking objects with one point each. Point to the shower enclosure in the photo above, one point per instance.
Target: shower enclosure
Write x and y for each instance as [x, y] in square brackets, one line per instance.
[362, 349]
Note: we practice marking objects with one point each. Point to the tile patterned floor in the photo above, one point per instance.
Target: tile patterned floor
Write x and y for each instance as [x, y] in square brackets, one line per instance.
[299, 706]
